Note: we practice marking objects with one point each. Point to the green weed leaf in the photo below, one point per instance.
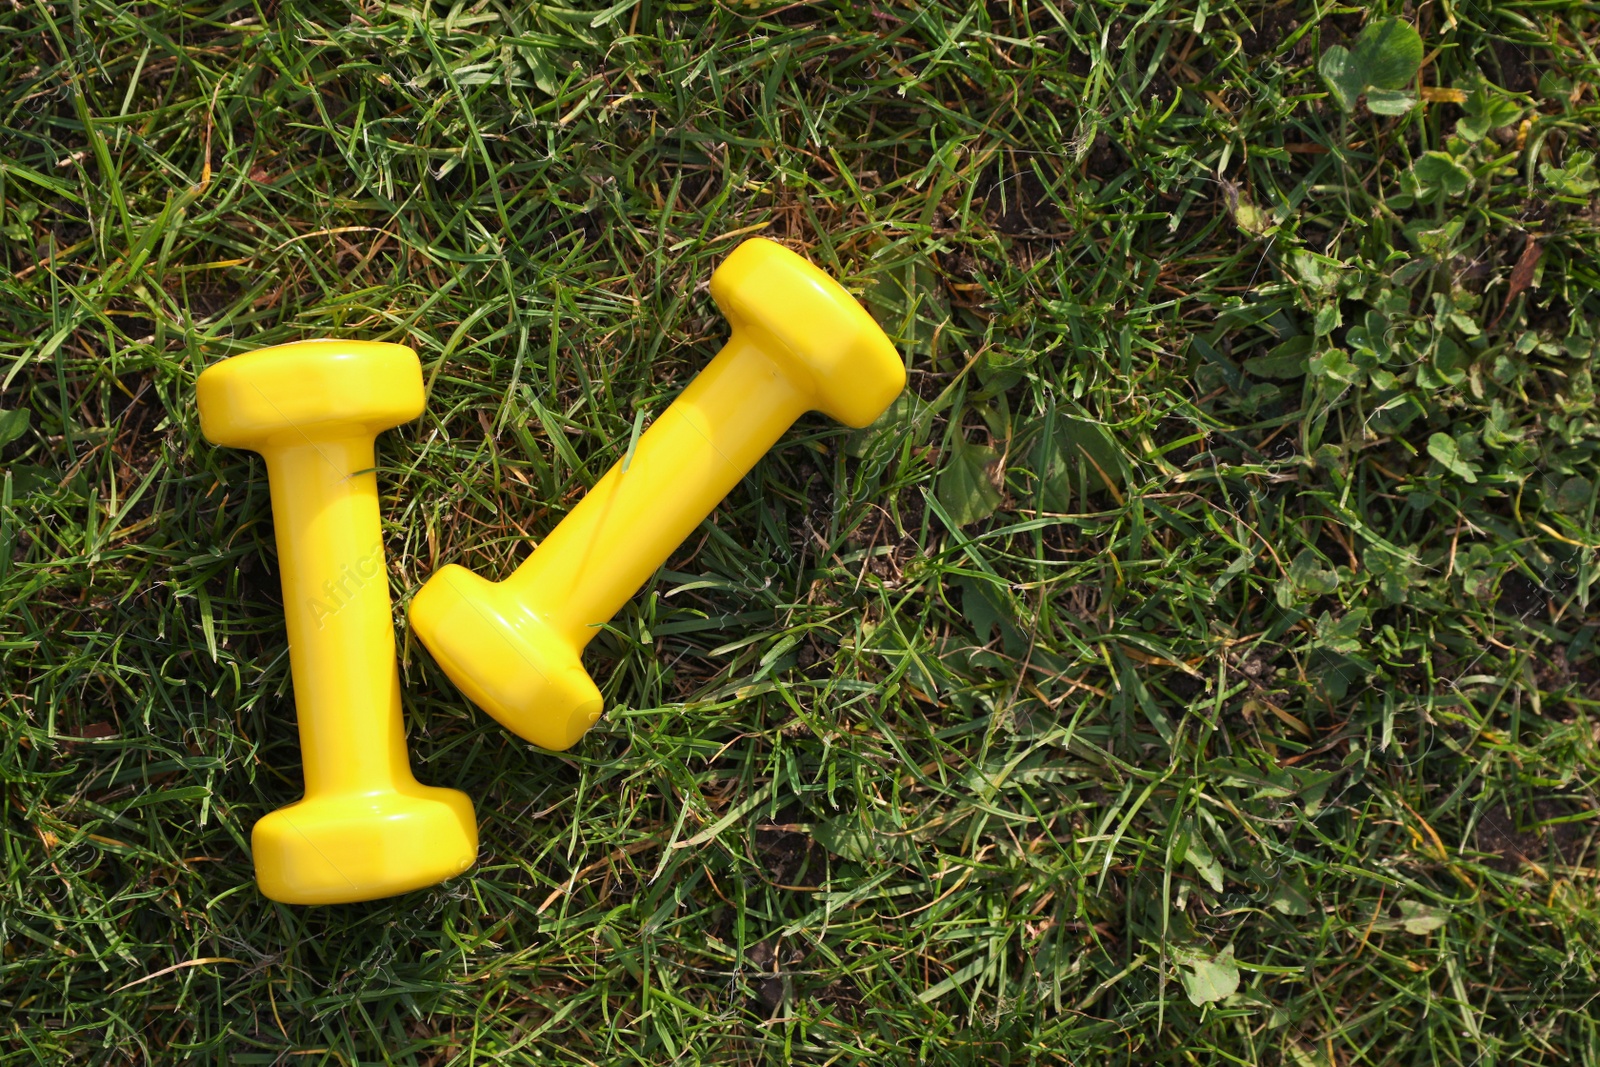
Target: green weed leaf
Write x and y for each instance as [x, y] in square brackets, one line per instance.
[1208, 979]
[877, 442]
[1390, 101]
[1577, 178]
[1320, 274]
[1335, 364]
[1447, 453]
[1486, 109]
[1341, 635]
[1574, 495]
[1339, 73]
[13, 424]
[1252, 220]
[1394, 575]
[1198, 856]
[1384, 60]
[1328, 319]
[965, 490]
[1078, 456]
[1285, 361]
[983, 606]
[1419, 918]
[1388, 54]
[862, 837]
[1439, 171]
[1307, 579]
[1287, 898]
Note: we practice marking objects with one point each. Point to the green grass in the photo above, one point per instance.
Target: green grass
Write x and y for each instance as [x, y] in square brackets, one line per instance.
[1218, 605]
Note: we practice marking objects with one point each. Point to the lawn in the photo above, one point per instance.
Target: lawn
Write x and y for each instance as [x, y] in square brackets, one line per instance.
[1196, 665]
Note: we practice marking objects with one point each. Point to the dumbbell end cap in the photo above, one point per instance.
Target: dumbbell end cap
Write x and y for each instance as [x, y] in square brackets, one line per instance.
[506, 661]
[308, 390]
[340, 849]
[821, 333]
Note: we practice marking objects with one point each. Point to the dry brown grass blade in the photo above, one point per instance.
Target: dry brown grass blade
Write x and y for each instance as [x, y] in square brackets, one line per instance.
[1521, 275]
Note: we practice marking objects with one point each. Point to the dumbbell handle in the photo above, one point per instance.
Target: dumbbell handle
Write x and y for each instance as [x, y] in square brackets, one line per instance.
[336, 606]
[625, 528]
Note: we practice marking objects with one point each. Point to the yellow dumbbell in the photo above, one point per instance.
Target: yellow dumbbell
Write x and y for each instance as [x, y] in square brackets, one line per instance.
[799, 343]
[365, 828]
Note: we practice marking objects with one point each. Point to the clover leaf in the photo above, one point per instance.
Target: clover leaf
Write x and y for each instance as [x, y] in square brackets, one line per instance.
[1446, 451]
[1383, 62]
[1485, 109]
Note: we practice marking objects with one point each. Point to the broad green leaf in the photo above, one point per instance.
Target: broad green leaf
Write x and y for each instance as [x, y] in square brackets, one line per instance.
[1335, 364]
[846, 838]
[13, 424]
[1198, 856]
[1443, 448]
[1385, 58]
[1478, 584]
[1079, 454]
[1394, 574]
[1253, 220]
[1225, 367]
[1486, 109]
[29, 478]
[1308, 572]
[1390, 101]
[1311, 786]
[1320, 274]
[863, 837]
[1419, 918]
[1436, 170]
[1307, 579]
[1339, 73]
[1334, 674]
[1287, 360]
[1432, 238]
[1342, 635]
[1370, 335]
[1287, 898]
[965, 490]
[999, 369]
[878, 440]
[1574, 495]
[1447, 367]
[1301, 1057]
[1208, 980]
[1328, 319]
[1577, 178]
[983, 606]
[1388, 54]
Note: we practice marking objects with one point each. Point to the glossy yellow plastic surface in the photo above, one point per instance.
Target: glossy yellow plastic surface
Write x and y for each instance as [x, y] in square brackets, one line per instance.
[365, 828]
[799, 343]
